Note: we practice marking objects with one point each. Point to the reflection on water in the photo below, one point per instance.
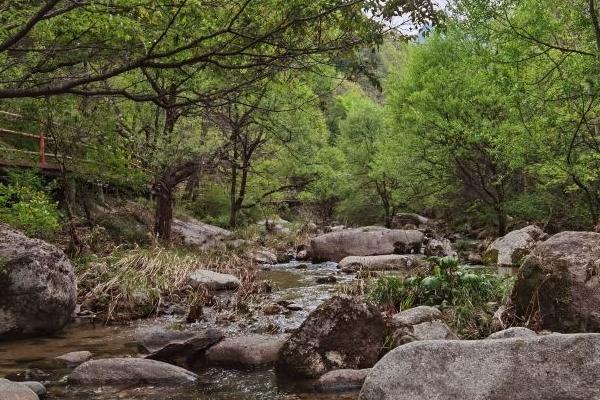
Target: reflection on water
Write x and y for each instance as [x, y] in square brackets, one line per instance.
[290, 282]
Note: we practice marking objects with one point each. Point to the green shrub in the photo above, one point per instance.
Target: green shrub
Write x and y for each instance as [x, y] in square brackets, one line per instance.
[462, 293]
[26, 205]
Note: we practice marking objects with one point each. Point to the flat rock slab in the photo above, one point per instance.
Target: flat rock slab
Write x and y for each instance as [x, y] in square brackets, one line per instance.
[154, 338]
[75, 358]
[214, 280]
[554, 367]
[186, 352]
[408, 263]
[15, 391]
[119, 371]
[342, 380]
[246, 351]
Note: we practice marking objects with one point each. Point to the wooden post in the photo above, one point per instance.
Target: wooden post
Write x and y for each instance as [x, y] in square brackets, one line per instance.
[42, 147]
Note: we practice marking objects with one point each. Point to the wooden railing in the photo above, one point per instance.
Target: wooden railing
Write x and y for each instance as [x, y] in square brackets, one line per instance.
[41, 155]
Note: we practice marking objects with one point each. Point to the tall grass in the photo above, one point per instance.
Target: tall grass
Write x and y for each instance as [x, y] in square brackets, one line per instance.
[467, 297]
[137, 282]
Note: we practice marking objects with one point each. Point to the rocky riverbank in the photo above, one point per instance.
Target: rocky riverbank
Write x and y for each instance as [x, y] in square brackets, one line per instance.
[326, 328]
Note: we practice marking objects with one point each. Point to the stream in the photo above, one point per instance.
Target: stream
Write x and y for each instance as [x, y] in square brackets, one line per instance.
[294, 281]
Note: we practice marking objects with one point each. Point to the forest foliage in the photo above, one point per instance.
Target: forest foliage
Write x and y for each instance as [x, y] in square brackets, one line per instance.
[486, 116]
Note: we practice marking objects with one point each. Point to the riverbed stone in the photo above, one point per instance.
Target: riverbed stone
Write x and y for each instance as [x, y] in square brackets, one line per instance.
[558, 285]
[15, 391]
[37, 286]
[35, 387]
[335, 246]
[342, 333]
[342, 380]
[511, 249]
[416, 315]
[153, 338]
[213, 280]
[439, 248]
[514, 332]
[117, 371]
[75, 358]
[420, 323]
[264, 257]
[246, 351]
[554, 367]
[406, 264]
[186, 352]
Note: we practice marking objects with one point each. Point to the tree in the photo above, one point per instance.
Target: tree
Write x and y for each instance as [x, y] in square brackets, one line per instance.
[463, 123]
[81, 47]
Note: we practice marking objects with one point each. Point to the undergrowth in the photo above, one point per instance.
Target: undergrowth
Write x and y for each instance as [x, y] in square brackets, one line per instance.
[140, 282]
[467, 297]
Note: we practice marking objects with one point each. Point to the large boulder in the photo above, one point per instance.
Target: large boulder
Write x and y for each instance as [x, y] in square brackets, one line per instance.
[335, 246]
[38, 292]
[558, 286]
[119, 371]
[15, 391]
[509, 250]
[246, 351]
[407, 264]
[197, 234]
[342, 333]
[554, 367]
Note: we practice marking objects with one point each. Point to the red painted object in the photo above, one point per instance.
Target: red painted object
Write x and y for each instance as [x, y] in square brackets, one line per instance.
[42, 146]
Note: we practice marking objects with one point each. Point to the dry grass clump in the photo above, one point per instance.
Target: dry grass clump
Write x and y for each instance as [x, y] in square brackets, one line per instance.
[140, 282]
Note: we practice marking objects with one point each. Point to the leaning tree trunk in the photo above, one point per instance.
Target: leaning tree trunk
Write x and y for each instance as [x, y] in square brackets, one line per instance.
[164, 212]
[164, 188]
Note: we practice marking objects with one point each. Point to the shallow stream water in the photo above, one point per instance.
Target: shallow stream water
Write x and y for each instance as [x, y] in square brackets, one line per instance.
[294, 282]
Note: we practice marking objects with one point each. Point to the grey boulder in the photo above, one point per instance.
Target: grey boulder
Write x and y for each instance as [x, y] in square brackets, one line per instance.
[118, 371]
[366, 241]
[439, 248]
[197, 234]
[342, 333]
[213, 280]
[554, 367]
[509, 250]
[37, 286]
[558, 285]
[420, 323]
[15, 391]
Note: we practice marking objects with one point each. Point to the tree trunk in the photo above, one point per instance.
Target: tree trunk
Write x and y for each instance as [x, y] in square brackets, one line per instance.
[501, 215]
[233, 210]
[164, 212]
[164, 187]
